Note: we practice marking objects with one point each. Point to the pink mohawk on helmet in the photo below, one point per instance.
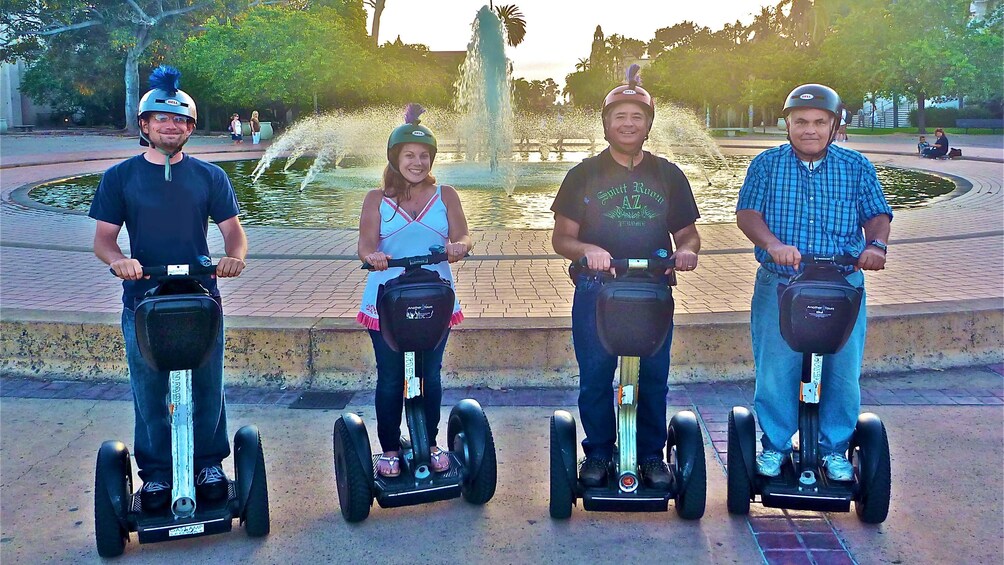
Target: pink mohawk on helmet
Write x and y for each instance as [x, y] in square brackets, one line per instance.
[632, 76]
[411, 113]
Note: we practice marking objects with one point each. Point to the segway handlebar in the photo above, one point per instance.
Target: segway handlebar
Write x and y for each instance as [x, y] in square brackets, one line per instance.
[436, 254]
[842, 259]
[657, 264]
[205, 266]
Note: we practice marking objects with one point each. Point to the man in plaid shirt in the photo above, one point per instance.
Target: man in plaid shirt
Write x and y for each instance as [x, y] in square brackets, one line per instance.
[809, 197]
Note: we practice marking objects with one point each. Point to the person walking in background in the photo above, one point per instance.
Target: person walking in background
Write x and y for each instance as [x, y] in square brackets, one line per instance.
[235, 129]
[255, 128]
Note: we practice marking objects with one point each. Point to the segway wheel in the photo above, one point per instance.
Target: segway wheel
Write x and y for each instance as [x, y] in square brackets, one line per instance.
[562, 493]
[248, 452]
[739, 486]
[869, 453]
[112, 488]
[469, 432]
[354, 481]
[685, 456]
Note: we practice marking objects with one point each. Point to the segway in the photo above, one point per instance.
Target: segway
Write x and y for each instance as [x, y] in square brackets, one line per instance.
[177, 324]
[818, 309]
[415, 310]
[634, 314]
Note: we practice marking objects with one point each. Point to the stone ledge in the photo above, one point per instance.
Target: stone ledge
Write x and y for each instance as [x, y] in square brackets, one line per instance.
[335, 354]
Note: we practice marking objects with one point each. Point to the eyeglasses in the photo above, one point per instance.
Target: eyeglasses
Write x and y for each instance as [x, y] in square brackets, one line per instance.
[164, 118]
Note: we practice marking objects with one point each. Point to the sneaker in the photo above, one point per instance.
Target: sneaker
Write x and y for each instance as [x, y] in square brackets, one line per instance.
[838, 468]
[768, 463]
[212, 483]
[593, 471]
[655, 473]
[155, 495]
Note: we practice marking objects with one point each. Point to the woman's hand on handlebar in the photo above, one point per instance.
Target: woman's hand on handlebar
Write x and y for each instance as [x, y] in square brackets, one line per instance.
[456, 251]
[377, 260]
[871, 259]
[685, 260]
[598, 259]
[127, 269]
[230, 267]
[786, 255]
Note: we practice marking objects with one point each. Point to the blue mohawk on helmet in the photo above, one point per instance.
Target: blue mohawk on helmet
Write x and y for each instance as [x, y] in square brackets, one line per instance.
[166, 78]
[411, 113]
[632, 76]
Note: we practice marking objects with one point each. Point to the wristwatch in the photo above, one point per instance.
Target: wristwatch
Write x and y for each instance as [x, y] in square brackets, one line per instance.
[879, 244]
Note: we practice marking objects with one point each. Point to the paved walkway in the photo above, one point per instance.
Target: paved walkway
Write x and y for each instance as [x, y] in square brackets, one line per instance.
[948, 251]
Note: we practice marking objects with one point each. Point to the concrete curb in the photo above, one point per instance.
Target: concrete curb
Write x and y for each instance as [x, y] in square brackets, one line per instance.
[335, 354]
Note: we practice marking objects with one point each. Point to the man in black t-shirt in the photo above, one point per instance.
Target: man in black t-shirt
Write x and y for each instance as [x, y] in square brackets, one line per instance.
[165, 198]
[623, 203]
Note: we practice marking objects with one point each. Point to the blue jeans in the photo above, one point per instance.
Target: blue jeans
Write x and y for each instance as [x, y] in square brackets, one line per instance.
[390, 390]
[150, 392]
[596, 375]
[779, 370]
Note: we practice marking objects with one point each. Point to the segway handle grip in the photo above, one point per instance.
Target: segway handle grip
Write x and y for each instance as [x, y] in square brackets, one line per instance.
[842, 259]
[414, 261]
[654, 265]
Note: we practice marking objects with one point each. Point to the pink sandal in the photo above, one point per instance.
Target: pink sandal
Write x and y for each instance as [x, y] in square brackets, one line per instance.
[439, 459]
[389, 466]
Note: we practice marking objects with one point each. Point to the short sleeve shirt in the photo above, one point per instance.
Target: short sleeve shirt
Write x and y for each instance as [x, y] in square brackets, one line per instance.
[820, 212]
[167, 221]
[631, 214]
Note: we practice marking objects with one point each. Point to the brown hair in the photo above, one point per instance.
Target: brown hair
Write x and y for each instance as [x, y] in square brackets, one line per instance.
[939, 129]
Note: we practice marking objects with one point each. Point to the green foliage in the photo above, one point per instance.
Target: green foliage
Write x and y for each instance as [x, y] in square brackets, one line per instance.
[586, 89]
[945, 117]
[534, 96]
[514, 23]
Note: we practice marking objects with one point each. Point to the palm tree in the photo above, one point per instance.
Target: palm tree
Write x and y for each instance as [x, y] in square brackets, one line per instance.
[378, 6]
[514, 22]
[582, 65]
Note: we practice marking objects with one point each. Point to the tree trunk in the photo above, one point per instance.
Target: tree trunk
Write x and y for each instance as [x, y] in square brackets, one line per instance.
[378, 6]
[132, 91]
[921, 121]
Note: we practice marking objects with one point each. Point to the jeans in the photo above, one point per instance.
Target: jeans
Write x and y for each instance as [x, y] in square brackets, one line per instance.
[596, 374]
[255, 137]
[390, 390]
[779, 370]
[150, 392]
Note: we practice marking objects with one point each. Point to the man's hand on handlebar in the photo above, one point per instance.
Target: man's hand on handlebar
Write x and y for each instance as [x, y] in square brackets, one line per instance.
[871, 259]
[230, 267]
[377, 260]
[686, 260]
[786, 255]
[127, 269]
[598, 259]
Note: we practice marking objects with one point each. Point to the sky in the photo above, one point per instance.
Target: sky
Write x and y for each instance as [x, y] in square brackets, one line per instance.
[558, 32]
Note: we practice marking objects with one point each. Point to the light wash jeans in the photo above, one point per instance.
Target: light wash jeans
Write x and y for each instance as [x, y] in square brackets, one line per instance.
[150, 390]
[779, 369]
[255, 137]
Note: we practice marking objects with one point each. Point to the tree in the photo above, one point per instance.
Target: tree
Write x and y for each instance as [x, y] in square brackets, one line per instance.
[378, 6]
[514, 23]
[129, 27]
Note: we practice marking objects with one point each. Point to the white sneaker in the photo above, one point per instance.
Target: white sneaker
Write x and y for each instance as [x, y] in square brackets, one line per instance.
[838, 468]
[768, 463]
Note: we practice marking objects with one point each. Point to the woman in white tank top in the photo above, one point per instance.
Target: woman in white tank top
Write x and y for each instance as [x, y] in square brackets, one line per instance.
[404, 218]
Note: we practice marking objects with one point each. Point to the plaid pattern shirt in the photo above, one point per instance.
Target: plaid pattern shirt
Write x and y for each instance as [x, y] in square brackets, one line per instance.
[820, 212]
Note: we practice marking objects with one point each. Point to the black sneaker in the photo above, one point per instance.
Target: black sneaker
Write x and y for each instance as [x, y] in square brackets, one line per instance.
[155, 495]
[655, 473]
[593, 471]
[211, 483]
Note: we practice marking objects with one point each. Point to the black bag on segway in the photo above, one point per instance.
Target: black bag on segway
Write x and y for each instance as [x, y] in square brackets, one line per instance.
[415, 310]
[818, 310]
[177, 323]
[634, 315]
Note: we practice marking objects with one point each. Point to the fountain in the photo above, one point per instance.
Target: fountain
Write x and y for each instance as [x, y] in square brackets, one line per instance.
[480, 129]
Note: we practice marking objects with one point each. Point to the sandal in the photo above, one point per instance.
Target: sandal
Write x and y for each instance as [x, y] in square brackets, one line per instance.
[439, 460]
[388, 466]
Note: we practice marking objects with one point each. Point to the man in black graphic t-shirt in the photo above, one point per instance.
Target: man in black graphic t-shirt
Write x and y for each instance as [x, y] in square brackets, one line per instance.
[623, 203]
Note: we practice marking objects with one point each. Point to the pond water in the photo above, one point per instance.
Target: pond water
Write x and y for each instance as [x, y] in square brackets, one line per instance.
[334, 198]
